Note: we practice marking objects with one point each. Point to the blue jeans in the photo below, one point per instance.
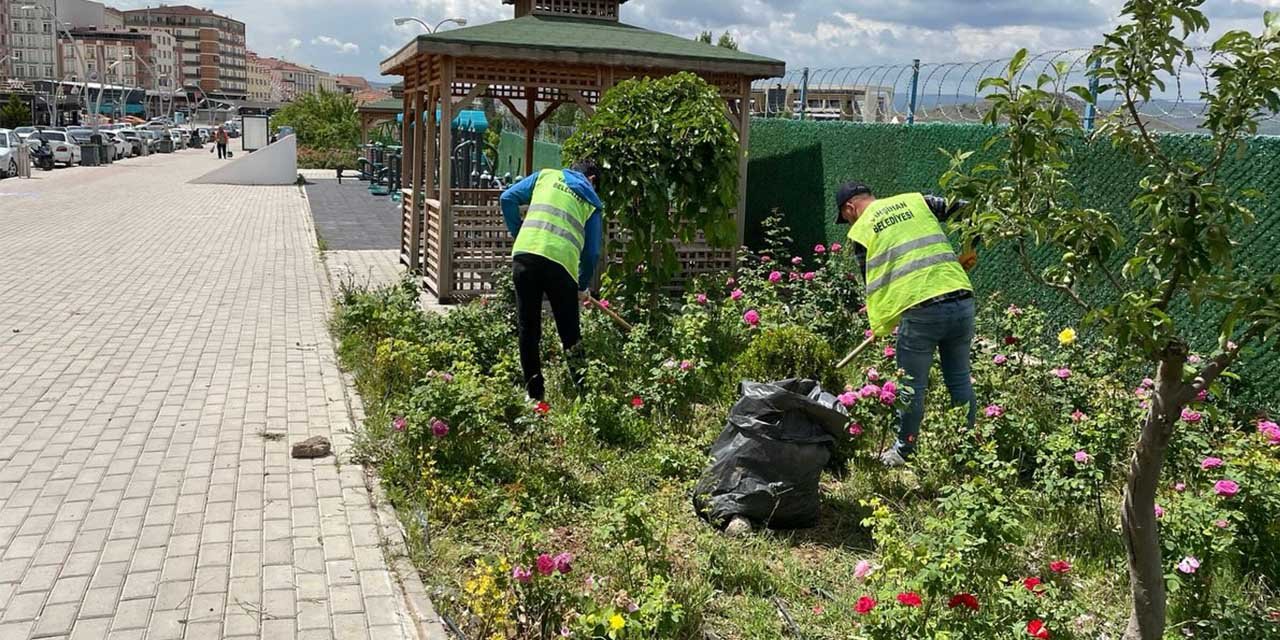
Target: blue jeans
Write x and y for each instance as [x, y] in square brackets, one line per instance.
[948, 329]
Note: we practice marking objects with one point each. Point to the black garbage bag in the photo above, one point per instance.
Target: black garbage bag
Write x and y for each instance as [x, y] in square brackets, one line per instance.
[766, 463]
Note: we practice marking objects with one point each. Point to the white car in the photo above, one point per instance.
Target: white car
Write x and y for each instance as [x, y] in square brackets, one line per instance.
[123, 148]
[64, 151]
[9, 143]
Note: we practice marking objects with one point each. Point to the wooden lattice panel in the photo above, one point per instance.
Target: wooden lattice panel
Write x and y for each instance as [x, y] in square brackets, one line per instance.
[728, 84]
[521, 75]
[598, 9]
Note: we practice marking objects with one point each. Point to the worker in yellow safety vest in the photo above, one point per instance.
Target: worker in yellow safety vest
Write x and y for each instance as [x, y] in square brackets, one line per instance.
[914, 282]
[557, 246]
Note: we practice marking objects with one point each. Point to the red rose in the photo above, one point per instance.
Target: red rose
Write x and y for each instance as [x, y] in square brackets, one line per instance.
[1031, 584]
[1060, 566]
[1036, 629]
[542, 408]
[966, 600]
[637, 402]
[910, 599]
[865, 605]
[1010, 340]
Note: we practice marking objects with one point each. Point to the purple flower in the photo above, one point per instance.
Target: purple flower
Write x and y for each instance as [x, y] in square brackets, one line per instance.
[1159, 511]
[873, 375]
[1226, 488]
[399, 423]
[775, 276]
[994, 411]
[701, 298]
[751, 317]
[1211, 463]
[686, 365]
[1180, 487]
[869, 391]
[1191, 416]
[1147, 383]
[1083, 457]
[868, 334]
[1061, 373]
[736, 294]
[848, 398]
[564, 562]
[1202, 396]
[1000, 359]
[1270, 430]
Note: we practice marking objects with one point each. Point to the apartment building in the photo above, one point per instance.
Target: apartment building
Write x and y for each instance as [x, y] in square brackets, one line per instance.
[117, 55]
[259, 80]
[29, 40]
[211, 51]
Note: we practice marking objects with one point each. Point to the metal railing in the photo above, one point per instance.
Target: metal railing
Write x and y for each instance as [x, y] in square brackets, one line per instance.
[914, 92]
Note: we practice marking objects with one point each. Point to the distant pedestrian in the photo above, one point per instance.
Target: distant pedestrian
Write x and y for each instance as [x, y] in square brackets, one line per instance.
[220, 137]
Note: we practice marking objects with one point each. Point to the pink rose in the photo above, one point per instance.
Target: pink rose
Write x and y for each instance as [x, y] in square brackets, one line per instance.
[793, 276]
[890, 386]
[1221, 524]
[1211, 463]
[863, 308]
[809, 275]
[546, 565]
[730, 282]
[890, 352]
[399, 423]
[888, 397]
[873, 375]
[1083, 457]
[855, 429]
[819, 249]
[736, 294]
[1159, 511]
[775, 276]
[447, 377]
[439, 428]
[1000, 359]
[1189, 565]
[869, 391]
[1269, 430]
[1202, 396]
[686, 365]
[751, 317]
[701, 298]
[1226, 488]
[765, 259]
[796, 260]
[604, 304]
[862, 570]
[868, 334]
[1061, 373]
[848, 398]
[1191, 416]
[1078, 416]
[994, 411]
[1014, 310]
[521, 574]
[1180, 487]
[564, 562]
[1194, 359]
[1147, 383]
[836, 247]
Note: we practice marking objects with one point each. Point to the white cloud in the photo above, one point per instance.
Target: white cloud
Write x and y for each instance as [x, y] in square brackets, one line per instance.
[290, 45]
[386, 50]
[340, 46]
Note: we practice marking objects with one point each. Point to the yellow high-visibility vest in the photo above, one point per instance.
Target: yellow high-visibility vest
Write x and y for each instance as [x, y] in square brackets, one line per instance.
[909, 258]
[555, 225]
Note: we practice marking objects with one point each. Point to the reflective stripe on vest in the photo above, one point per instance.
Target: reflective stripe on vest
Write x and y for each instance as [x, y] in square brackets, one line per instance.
[909, 258]
[554, 226]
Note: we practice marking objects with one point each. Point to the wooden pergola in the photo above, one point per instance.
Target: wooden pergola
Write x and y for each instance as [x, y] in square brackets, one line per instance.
[553, 53]
[374, 113]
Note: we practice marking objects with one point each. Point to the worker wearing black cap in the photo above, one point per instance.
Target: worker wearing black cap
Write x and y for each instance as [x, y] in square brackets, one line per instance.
[915, 282]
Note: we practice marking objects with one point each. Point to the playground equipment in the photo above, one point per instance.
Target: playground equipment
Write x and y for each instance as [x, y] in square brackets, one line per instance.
[472, 167]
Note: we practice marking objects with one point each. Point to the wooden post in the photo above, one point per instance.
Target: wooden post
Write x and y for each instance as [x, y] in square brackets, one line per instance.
[419, 208]
[406, 169]
[744, 144]
[430, 155]
[446, 178]
[530, 129]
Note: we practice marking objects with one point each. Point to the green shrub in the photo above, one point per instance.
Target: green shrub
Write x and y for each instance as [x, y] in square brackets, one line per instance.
[319, 158]
[789, 352]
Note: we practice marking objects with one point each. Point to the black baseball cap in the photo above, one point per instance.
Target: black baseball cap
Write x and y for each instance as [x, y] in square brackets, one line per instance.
[847, 192]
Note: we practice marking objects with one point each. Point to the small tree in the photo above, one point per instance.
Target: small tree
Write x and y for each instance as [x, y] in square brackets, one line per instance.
[14, 114]
[1185, 221]
[323, 120]
[670, 170]
[726, 40]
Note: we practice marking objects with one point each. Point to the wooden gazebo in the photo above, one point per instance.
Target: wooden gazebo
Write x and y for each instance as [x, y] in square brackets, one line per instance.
[553, 53]
[373, 114]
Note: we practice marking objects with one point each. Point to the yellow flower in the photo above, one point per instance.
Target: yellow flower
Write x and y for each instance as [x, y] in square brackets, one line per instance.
[616, 622]
[1067, 337]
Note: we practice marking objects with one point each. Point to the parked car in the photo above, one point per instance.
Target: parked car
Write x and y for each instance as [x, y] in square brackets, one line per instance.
[23, 132]
[123, 148]
[152, 139]
[65, 152]
[9, 144]
[135, 140]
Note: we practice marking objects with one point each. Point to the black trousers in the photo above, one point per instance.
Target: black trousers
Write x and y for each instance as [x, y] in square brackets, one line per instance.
[536, 277]
[222, 150]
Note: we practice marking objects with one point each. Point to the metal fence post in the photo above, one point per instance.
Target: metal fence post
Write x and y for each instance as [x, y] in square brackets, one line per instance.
[804, 92]
[915, 86]
[1091, 109]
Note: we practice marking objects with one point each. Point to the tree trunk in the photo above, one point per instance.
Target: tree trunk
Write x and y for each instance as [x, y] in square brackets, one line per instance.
[1137, 516]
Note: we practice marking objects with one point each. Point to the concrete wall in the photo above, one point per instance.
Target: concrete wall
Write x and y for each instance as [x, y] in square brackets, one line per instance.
[275, 164]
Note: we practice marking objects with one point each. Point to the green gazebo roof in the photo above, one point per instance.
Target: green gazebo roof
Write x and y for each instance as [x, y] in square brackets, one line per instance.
[583, 41]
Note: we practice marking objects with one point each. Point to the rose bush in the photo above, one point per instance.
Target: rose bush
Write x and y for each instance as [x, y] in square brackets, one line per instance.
[572, 518]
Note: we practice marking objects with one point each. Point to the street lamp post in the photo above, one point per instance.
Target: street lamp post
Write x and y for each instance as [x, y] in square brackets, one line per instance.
[461, 22]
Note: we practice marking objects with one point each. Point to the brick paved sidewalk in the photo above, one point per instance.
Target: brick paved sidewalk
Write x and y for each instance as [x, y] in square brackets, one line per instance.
[161, 345]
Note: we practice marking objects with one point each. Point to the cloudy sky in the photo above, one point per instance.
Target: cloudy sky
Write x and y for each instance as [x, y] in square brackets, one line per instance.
[346, 36]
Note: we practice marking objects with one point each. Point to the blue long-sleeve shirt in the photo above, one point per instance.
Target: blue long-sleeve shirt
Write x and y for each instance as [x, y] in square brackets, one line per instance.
[521, 194]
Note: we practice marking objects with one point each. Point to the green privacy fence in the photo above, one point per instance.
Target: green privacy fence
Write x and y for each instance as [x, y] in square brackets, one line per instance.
[511, 154]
